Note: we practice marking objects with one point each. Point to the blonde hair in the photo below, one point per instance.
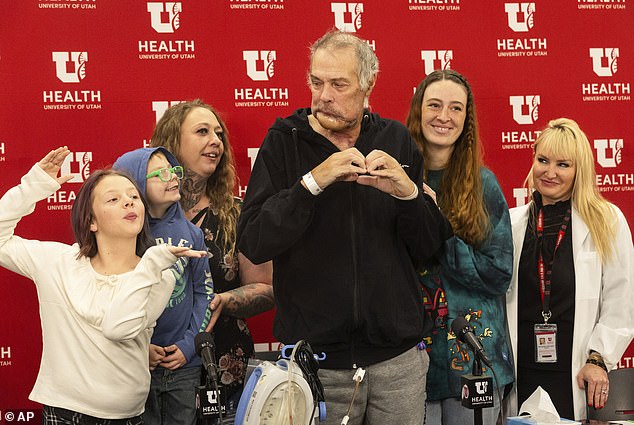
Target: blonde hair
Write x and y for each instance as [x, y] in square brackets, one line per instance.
[563, 139]
[220, 185]
[462, 199]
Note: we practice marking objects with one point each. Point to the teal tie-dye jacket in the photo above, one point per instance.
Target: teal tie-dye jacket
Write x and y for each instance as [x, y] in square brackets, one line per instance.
[469, 282]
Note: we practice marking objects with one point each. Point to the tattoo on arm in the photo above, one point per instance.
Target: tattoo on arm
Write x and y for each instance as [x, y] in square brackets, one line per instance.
[249, 300]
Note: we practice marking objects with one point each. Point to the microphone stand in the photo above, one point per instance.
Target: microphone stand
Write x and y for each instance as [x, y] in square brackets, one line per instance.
[214, 382]
[477, 389]
[211, 383]
[476, 370]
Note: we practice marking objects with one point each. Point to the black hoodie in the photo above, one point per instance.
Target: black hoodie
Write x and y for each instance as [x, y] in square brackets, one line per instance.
[344, 262]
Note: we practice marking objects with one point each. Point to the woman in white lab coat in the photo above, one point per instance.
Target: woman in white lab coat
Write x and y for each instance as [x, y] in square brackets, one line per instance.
[570, 300]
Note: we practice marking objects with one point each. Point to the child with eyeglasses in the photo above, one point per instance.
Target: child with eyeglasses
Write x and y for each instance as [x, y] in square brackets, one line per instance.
[174, 366]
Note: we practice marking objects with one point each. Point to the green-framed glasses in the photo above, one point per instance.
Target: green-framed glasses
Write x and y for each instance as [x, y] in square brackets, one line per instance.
[165, 174]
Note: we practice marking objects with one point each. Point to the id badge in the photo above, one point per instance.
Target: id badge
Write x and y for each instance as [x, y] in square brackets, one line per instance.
[545, 343]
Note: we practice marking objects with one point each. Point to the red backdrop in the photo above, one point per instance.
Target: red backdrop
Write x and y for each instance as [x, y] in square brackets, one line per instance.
[96, 75]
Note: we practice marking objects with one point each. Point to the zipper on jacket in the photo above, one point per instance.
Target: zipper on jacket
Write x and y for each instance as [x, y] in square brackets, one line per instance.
[355, 281]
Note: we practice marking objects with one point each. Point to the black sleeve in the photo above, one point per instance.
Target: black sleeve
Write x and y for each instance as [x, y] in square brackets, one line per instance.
[277, 208]
[420, 224]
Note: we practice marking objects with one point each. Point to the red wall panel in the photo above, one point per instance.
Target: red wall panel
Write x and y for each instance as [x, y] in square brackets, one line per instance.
[96, 75]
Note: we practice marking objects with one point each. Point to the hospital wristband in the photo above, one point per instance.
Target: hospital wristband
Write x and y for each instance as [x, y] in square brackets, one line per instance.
[409, 197]
[311, 184]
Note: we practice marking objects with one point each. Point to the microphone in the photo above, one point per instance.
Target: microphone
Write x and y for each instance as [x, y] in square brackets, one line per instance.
[211, 399]
[464, 333]
[205, 348]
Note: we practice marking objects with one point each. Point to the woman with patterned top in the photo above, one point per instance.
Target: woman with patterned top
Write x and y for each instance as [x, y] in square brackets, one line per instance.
[473, 269]
[197, 136]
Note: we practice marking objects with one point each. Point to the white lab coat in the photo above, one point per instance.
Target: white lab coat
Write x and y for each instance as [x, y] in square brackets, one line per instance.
[604, 299]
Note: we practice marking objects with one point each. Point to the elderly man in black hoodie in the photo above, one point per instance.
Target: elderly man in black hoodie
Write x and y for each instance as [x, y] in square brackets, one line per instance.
[335, 199]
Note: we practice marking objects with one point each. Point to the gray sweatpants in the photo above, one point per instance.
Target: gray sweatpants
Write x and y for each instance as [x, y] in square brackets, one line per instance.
[392, 392]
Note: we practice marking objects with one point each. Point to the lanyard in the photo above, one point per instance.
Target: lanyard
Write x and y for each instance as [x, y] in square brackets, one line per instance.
[543, 273]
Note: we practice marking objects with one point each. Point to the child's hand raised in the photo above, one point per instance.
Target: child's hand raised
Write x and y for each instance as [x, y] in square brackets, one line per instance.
[52, 163]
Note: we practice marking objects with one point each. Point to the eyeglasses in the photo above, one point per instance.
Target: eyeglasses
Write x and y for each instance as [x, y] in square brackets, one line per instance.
[165, 174]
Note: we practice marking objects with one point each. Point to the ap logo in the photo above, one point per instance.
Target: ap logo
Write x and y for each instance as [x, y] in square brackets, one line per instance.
[608, 152]
[598, 55]
[528, 103]
[340, 9]
[82, 159]
[165, 16]
[70, 67]
[267, 57]
[520, 16]
[430, 57]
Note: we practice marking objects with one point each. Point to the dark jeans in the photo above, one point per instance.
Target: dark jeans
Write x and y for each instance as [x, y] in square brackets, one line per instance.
[172, 397]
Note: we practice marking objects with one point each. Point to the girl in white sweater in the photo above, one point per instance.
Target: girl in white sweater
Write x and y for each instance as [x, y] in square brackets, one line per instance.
[99, 298]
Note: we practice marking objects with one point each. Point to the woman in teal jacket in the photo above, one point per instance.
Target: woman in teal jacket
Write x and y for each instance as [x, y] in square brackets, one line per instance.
[472, 272]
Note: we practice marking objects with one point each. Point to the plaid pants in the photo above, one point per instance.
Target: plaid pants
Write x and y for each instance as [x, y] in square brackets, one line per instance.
[59, 416]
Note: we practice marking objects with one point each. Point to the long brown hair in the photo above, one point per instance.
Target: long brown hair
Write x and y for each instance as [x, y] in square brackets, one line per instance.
[220, 185]
[81, 216]
[461, 198]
